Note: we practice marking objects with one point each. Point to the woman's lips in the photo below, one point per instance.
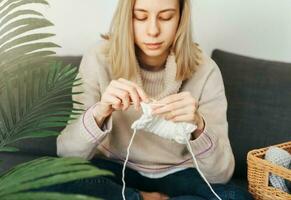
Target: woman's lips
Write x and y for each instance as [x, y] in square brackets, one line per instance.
[153, 46]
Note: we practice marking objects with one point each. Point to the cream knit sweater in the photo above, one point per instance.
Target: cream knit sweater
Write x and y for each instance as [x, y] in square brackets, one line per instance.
[151, 153]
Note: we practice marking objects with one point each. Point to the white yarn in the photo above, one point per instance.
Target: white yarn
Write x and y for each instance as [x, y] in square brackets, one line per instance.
[179, 132]
[200, 172]
[124, 164]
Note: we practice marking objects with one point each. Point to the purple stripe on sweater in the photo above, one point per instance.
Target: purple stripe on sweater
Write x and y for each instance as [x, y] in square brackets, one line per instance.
[117, 157]
[83, 121]
[121, 159]
[211, 145]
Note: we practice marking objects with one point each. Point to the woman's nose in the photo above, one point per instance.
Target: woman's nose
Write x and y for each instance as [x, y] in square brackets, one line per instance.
[153, 28]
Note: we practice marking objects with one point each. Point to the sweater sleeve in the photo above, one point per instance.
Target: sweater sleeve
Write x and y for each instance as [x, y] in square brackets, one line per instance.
[82, 135]
[212, 148]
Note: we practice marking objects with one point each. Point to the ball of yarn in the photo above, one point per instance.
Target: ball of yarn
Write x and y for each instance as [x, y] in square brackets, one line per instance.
[278, 157]
[288, 183]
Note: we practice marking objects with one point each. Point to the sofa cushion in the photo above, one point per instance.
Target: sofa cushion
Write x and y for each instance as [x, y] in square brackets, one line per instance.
[259, 103]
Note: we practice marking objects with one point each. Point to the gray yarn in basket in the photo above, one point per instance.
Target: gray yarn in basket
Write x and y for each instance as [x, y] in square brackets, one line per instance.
[282, 158]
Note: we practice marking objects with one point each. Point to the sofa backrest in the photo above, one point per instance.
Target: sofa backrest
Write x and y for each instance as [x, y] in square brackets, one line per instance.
[259, 108]
[259, 103]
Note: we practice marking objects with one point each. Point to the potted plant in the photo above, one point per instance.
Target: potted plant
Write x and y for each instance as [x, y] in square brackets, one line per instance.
[35, 99]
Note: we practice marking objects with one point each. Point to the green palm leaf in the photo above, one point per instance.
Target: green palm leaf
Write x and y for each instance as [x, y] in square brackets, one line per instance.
[46, 196]
[18, 13]
[24, 39]
[45, 172]
[35, 98]
[36, 101]
[11, 5]
[18, 48]
[8, 149]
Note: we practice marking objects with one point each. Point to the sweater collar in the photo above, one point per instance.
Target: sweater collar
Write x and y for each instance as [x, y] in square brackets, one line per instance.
[171, 85]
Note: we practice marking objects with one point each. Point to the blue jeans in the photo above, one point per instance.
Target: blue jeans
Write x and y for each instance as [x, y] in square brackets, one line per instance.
[182, 185]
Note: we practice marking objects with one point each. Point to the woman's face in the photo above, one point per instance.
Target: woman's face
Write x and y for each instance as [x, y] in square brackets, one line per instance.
[155, 24]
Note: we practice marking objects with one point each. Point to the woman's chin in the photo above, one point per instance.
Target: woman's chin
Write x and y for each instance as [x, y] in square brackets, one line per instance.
[153, 53]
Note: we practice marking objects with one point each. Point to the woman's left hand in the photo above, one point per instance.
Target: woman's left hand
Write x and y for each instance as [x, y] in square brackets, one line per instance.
[181, 107]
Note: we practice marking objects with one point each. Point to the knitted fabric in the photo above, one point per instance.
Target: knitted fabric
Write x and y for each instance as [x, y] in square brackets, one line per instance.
[179, 132]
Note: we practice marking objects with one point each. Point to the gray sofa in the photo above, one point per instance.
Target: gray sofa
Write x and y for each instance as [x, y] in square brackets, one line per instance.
[259, 110]
[259, 104]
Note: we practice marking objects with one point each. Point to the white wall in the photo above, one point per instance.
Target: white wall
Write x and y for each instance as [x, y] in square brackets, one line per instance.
[259, 28]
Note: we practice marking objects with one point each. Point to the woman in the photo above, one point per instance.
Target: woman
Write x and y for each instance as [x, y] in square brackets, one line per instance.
[149, 54]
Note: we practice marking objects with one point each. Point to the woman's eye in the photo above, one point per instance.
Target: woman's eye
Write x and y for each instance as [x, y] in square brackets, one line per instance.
[140, 18]
[165, 18]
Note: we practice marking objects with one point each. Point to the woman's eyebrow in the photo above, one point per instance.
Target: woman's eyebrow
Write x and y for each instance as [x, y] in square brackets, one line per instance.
[165, 10]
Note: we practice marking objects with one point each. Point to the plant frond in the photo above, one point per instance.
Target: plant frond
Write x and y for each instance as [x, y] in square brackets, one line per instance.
[31, 100]
[35, 100]
[45, 172]
[40, 22]
[16, 44]
[47, 196]
[17, 14]
[8, 36]
[25, 39]
[33, 60]
[8, 149]
[17, 52]
[10, 5]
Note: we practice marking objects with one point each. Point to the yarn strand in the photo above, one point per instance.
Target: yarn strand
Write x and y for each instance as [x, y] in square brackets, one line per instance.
[199, 171]
[124, 164]
[143, 123]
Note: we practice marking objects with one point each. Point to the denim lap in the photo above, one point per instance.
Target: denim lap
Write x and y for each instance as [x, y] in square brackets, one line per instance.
[182, 185]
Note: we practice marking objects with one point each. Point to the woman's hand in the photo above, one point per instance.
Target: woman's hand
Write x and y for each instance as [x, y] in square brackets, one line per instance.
[181, 107]
[153, 196]
[119, 95]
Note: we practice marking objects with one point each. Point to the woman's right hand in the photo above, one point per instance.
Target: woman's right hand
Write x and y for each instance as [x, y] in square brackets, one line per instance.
[119, 95]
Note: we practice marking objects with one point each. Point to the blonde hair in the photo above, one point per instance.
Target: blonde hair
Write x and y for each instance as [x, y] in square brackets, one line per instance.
[121, 48]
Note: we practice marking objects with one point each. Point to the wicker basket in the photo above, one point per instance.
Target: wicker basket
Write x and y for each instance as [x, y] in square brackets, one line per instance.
[258, 175]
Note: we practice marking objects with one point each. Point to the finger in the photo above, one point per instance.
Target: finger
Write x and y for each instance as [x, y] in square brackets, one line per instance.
[123, 95]
[172, 98]
[131, 90]
[140, 91]
[164, 196]
[117, 106]
[113, 101]
[184, 118]
[154, 105]
[174, 106]
[177, 113]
